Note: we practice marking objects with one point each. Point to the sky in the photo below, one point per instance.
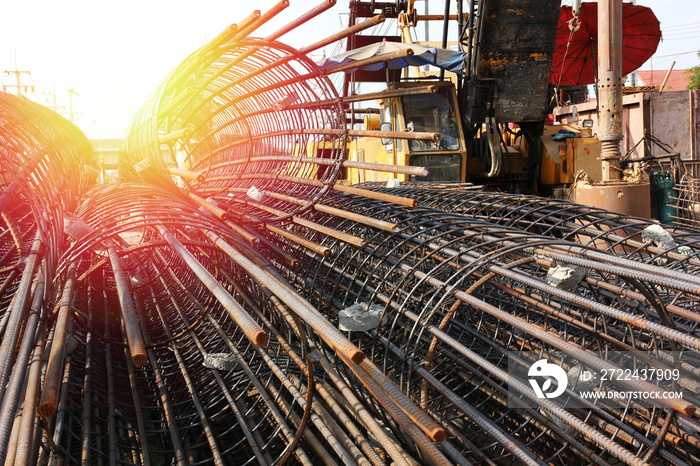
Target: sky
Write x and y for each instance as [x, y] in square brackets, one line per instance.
[114, 55]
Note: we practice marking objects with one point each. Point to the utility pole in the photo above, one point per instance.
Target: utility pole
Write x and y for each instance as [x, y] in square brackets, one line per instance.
[71, 91]
[610, 86]
[51, 98]
[18, 77]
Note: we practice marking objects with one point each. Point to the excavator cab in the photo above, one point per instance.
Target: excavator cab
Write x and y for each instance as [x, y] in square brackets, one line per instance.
[438, 113]
[435, 113]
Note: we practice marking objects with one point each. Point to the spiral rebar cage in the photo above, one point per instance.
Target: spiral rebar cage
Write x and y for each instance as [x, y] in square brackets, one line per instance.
[237, 122]
[159, 297]
[642, 239]
[159, 351]
[460, 299]
[43, 160]
[687, 199]
[46, 164]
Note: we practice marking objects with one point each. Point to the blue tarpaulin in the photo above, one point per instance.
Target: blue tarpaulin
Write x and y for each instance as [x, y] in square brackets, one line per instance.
[422, 55]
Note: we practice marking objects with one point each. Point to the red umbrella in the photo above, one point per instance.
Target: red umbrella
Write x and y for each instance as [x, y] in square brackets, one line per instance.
[574, 60]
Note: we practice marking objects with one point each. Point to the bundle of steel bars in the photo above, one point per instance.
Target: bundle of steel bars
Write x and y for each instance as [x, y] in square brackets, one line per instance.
[46, 164]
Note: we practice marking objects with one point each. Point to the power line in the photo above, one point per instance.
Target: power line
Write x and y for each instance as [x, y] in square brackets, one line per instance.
[681, 33]
[683, 38]
[680, 30]
[683, 26]
[676, 54]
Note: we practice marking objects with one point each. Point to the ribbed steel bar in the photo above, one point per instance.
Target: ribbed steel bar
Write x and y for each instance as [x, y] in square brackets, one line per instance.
[16, 315]
[393, 449]
[50, 392]
[445, 279]
[25, 441]
[86, 414]
[137, 348]
[15, 385]
[588, 225]
[256, 335]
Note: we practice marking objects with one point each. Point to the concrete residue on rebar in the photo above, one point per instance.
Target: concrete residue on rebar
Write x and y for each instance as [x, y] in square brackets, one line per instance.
[219, 361]
[360, 317]
[565, 276]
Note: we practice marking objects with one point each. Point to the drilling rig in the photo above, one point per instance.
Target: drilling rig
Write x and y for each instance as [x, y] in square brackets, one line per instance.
[508, 48]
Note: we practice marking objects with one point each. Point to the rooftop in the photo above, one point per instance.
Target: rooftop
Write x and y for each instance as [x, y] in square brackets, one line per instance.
[677, 81]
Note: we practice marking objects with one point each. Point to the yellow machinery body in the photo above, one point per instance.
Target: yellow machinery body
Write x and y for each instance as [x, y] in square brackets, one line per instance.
[563, 159]
[446, 159]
